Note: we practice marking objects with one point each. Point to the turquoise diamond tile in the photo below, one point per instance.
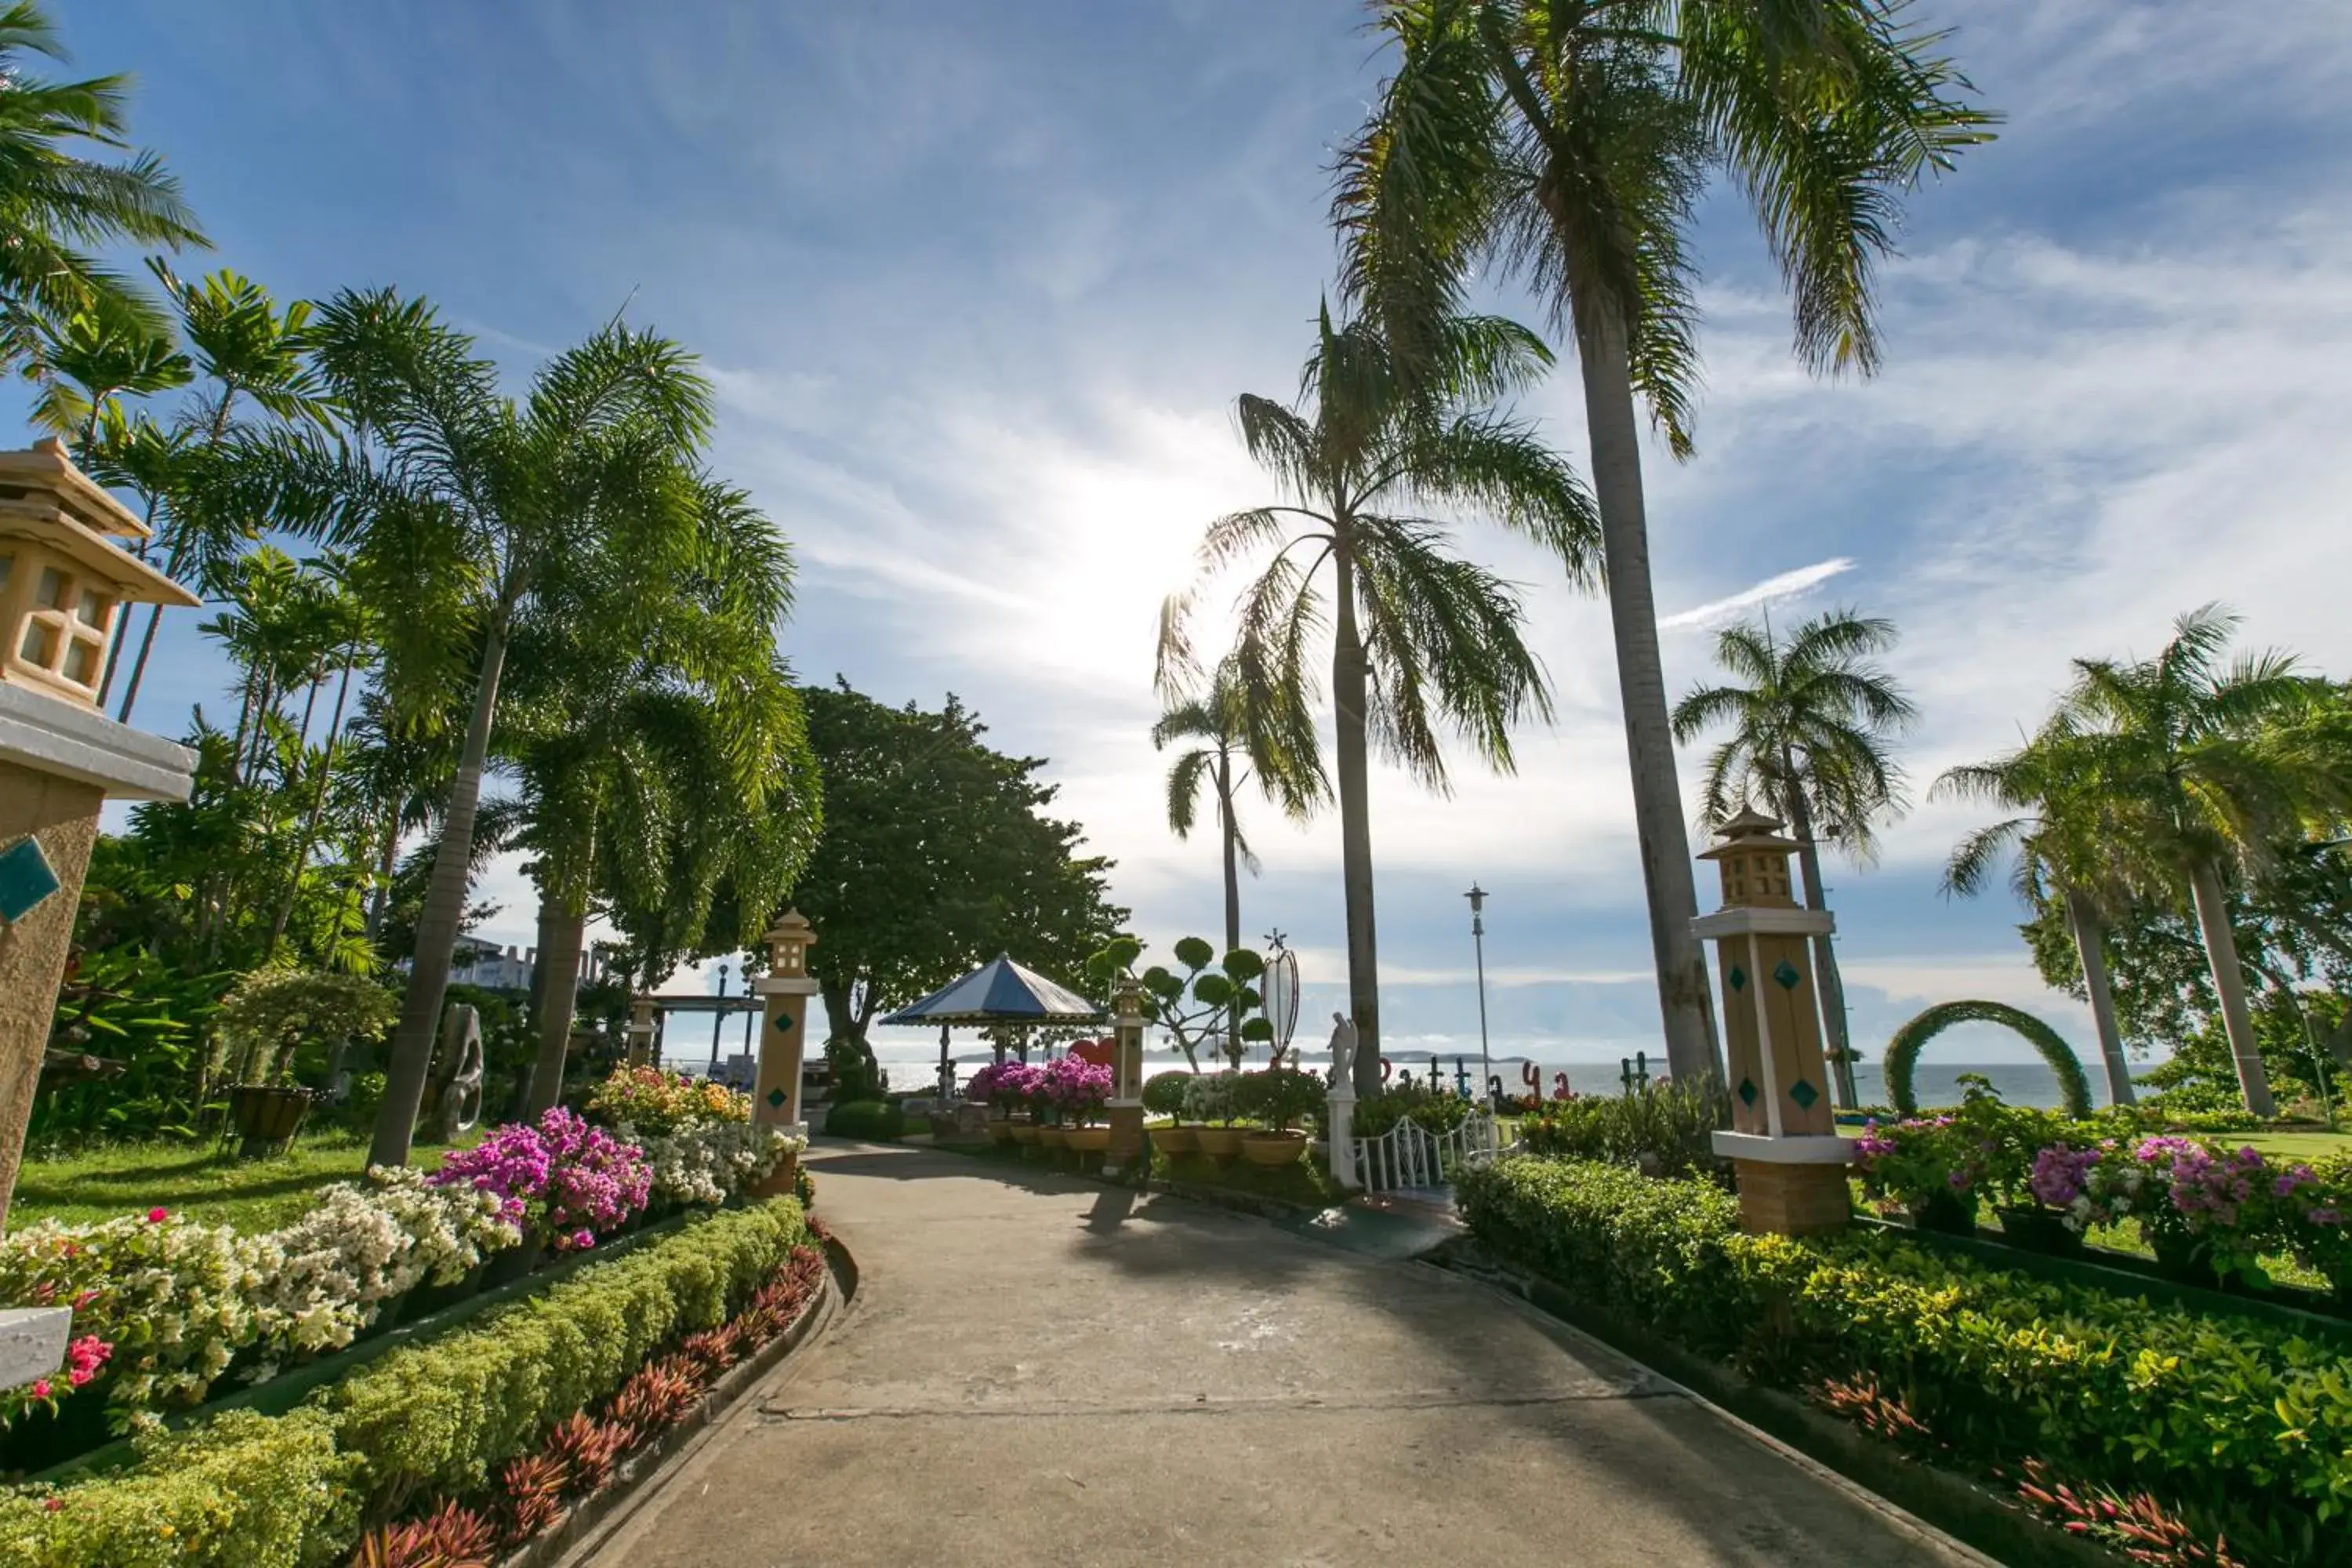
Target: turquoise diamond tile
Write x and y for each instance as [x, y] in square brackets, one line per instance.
[1786, 976]
[1804, 1094]
[783, 1022]
[1738, 978]
[776, 1097]
[1746, 1091]
[26, 879]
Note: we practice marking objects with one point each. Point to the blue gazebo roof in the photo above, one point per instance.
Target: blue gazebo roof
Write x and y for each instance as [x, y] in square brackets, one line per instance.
[999, 991]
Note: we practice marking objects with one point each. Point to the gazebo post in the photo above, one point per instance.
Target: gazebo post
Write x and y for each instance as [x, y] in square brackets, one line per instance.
[947, 1068]
[784, 992]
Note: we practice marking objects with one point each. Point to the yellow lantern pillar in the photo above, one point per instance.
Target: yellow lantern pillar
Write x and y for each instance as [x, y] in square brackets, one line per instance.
[1126, 1105]
[64, 589]
[641, 1031]
[1783, 1144]
[785, 993]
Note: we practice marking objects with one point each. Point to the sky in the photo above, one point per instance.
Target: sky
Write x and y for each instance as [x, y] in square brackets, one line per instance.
[977, 285]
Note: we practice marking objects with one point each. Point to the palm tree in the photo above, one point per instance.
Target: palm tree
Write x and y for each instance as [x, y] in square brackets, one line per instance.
[2209, 768]
[2065, 845]
[94, 357]
[1420, 638]
[53, 202]
[1810, 733]
[1215, 729]
[1569, 144]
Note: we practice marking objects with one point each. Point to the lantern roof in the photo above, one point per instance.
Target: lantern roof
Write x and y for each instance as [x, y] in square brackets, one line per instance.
[793, 926]
[47, 500]
[1749, 831]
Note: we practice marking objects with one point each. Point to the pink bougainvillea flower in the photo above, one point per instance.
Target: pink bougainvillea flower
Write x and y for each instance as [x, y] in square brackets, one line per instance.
[53, 1503]
[155, 1217]
[40, 1389]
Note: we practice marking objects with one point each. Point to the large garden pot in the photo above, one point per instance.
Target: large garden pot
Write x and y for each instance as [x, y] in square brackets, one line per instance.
[267, 1117]
[1088, 1139]
[1954, 1214]
[1024, 1132]
[2181, 1256]
[2038, 1229]
[1000, 1131]
[1221, 1143]
[1276, 1149]
[1053, 1137]
[1176, 1139]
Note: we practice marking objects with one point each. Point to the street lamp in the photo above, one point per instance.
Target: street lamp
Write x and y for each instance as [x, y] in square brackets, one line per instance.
[1477, 896]
[717, 1018]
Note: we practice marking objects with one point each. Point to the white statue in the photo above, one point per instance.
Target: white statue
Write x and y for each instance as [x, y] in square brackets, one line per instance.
[1343, 1051]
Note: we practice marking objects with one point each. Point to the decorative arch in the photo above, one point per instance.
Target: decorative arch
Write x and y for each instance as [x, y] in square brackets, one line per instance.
[1903, 1050]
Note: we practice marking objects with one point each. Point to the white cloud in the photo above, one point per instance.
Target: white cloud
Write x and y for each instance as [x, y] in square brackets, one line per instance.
[1783, 586]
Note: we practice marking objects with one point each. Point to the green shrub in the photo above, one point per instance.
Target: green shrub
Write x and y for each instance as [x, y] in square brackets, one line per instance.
[874, 1121]
[1670, 1121]
[241, 1492]
[1163, 1093]
[244, 1488]
[1278, 1096]
[1416, 1102]
[2242, 1426]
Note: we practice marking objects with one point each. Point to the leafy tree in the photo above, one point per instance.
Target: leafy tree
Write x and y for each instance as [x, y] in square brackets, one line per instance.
[1810, 731]
[1421, 639]
[1570, 145]
[936, 856]
[54, 201]
[91, 360]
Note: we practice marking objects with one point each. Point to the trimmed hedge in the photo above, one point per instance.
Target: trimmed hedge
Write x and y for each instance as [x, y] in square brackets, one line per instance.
[279, 1492]
[874, 1121]
[2244, 1427]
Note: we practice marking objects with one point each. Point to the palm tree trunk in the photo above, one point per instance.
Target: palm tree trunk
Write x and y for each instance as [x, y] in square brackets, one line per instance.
[139, 665]
[317, 807]
[438, 921]
[2230, 986]
[1684, 997]
[1230, 833]
[2090, 944]
[562, 933]
[1350, 681]
[380, 895]
[122, 621]
[1827, 983]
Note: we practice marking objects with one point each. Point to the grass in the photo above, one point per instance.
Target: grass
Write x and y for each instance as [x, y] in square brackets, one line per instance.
[202, 1182]
[2302, 1145]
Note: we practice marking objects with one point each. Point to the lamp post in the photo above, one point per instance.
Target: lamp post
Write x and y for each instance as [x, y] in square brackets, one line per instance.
[719, 1019]
[1477, 896]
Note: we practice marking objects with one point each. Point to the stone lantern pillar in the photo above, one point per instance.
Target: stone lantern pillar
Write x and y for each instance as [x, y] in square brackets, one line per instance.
[1783, 1142]
[64, 586]
[785, 993]
[1126, 1105]
[641, 1031]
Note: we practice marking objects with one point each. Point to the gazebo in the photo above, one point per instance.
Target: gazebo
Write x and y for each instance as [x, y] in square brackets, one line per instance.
[1000, 995]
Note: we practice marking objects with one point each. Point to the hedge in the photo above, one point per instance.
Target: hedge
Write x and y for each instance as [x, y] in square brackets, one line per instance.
[284, 1491]
[876, 1121]
[2243, 1427]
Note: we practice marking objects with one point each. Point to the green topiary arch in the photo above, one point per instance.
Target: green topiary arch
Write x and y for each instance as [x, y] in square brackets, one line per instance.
[1903, 1050]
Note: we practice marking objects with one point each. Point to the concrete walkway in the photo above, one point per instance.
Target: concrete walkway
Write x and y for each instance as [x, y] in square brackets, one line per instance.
[1042, 1370]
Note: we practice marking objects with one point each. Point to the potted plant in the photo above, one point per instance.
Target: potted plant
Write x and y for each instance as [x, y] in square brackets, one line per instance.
[1922, 1171]
[2209, 1212]
[1278, 1098]
[1209, 1098]
[2316, 1219]
[1080, 1089]
[265, 1019]
[1163, 1095]
[994, 1087]
[2009, 1140]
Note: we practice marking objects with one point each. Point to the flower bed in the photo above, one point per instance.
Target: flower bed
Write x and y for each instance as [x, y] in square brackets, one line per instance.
[168, 1312]
[574, 1376]
[2242, 1428]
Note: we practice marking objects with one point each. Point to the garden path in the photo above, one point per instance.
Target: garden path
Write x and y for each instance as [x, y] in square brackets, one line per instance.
[1038, 1369]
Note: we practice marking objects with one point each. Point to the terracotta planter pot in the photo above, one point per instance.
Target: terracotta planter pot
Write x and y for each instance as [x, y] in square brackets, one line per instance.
[1220, 1142]
[1276, 1149]
[1088, 1139]
[267, 1117]
[2038, 1229]
[1000, 1131]
[1176, 1139]
[1022, 1132]
[1053, 1137]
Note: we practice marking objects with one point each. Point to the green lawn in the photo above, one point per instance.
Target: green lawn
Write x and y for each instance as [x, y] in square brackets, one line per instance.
[196, 1180]
[2299, 1146]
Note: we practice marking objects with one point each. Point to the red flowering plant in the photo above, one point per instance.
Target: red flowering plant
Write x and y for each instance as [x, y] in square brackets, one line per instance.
[569, 1181]
[1076, 1088]
[1926, 1169]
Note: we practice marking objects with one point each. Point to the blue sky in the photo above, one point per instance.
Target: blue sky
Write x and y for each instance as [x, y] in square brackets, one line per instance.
[978, 285]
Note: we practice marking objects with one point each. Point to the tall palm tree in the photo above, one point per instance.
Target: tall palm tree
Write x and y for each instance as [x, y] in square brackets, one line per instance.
[1420, 638]
[54, 202]
[1568, 142]
[2065, 844]
[2212, 766]
[1215, 728]
[486, 507]
[1810, 731]
[93, 358]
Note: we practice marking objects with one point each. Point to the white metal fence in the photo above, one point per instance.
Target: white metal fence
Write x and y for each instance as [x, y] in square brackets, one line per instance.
[1410, 1155]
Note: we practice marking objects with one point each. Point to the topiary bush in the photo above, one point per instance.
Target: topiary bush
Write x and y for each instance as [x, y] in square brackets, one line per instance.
[874, 1121]
[2243, 1427]
[1163, 1093]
